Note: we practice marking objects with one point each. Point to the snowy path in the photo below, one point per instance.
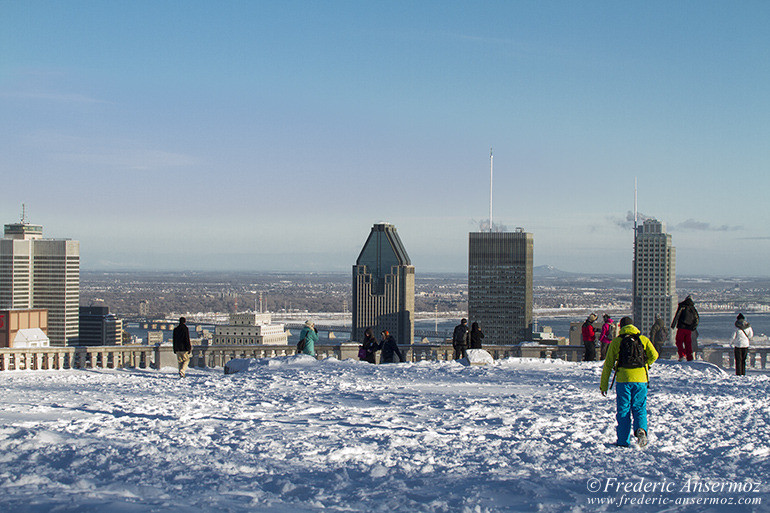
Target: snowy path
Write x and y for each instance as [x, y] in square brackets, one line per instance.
[293, 434]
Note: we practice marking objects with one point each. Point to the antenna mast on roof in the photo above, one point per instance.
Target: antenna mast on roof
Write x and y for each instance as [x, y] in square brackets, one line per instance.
[23, 213]
[636, 213]
[490, 188]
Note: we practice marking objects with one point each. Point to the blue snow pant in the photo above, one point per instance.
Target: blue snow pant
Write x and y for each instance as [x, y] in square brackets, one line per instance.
[632, 400]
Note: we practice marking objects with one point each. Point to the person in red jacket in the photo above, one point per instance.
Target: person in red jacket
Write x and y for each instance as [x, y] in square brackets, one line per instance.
[589, 339]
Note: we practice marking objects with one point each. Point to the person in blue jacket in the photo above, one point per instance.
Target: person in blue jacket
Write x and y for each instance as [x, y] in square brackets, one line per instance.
[310, 335]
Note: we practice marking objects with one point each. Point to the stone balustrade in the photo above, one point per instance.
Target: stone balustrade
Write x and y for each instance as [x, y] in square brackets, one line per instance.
[156, 357]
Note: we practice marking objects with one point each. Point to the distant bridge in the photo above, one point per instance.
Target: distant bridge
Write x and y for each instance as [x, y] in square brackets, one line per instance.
[347, 329]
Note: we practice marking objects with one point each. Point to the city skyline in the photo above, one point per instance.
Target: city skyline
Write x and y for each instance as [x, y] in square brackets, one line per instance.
[185, 139]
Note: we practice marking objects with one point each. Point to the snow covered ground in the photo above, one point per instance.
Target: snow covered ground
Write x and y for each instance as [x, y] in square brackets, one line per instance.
[293, 434]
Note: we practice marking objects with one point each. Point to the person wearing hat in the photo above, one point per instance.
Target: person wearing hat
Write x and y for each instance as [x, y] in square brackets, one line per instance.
[608, 333]
[369, 346]
[658, 333]
[740, 341]
[310, 335]
[630, 362]
[589, 339]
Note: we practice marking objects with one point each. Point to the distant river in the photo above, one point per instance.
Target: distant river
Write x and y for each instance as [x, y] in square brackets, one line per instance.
[713, 328]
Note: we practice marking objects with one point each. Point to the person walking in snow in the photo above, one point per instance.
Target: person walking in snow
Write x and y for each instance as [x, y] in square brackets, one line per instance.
[309, 335]
[658, 333]
[607, 334]
[630, 354]
[460, 339]
[685, 321]
[390, 349]
[589, 339]
[182, 346]
[476, 336]
[740, 341]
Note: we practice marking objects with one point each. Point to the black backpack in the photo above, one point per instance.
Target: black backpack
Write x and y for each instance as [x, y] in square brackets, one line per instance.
[687, 318]
[631, 355]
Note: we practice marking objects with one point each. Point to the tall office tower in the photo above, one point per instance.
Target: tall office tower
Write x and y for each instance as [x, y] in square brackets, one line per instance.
[500, 285]
[383, 287]
[98, 327]
[41, 273]
[654, 275]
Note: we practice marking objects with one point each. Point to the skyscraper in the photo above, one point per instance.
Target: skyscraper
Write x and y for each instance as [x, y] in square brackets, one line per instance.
[383, 287]
[500, 285]
[654, 275]
[98, 327]
[41, 273]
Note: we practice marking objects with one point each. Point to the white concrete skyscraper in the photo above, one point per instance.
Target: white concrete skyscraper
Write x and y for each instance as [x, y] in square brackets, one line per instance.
[654, 275]
[41, 273]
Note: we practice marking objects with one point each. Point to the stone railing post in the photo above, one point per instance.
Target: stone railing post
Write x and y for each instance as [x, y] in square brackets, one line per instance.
[164, 357]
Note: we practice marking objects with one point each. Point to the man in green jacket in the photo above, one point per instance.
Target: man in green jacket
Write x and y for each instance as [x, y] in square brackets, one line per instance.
[630, 353]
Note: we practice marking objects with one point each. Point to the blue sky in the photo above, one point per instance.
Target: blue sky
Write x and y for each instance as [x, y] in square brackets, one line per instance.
[272, 135]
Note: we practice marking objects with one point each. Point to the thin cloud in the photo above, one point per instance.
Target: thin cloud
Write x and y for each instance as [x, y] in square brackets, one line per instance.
[690, 225]
[693, 225]
[483, 226]
[628, 222]
[106, 152]
[134, 159]
[53, 97]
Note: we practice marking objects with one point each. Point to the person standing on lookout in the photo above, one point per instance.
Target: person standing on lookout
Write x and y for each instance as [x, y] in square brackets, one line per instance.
[658, 333]
[741, 340]
[685, 321]
[460, 338]
[589, 339]
[608, 333]
[476, 336]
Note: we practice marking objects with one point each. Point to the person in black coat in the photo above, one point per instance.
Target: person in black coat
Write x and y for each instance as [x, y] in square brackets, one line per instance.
[476, 336]
[460, 339]
[390, 349]
[182, 346]
[370, 346]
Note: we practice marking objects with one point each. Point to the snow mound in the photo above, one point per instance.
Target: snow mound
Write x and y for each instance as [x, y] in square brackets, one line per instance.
[478, 357]
[694, 367]
[245, 364]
